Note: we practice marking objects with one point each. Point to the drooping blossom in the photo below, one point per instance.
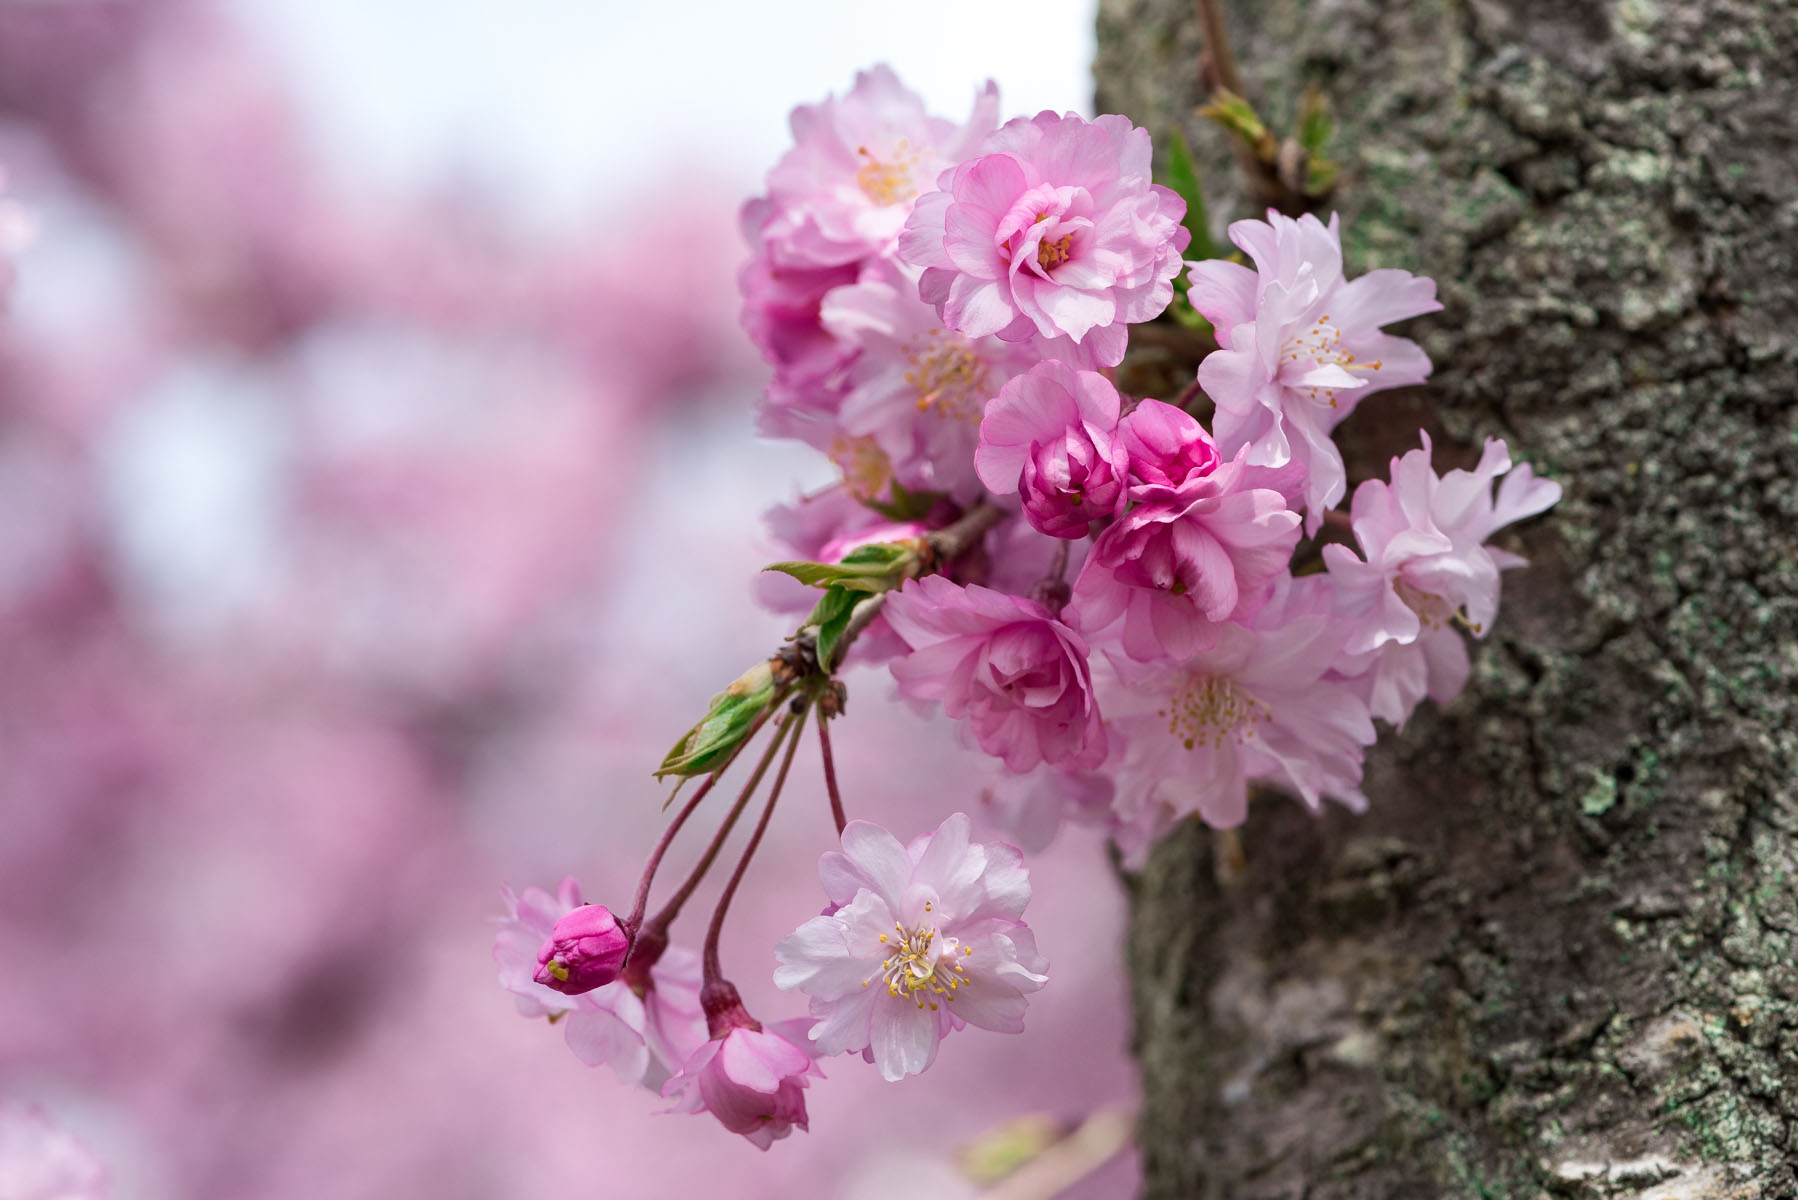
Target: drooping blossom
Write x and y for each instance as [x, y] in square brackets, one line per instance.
[585, 950]
[642, 1032]
[1426, 567]
[844, 190]
[1183, 560]
[1300, 346]
[781, 314]
[1049, 436]
[751, 1078]
[1017, 674]
[1258, 704]
[1055, 230]
[924, 940]
[40, 1160]
[914, 387]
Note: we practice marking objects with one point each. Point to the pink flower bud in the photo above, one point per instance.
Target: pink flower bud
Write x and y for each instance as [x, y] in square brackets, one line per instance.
[584, 951]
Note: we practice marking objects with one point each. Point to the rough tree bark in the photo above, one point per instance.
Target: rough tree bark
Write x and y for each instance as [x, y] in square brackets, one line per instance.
[1559, 957]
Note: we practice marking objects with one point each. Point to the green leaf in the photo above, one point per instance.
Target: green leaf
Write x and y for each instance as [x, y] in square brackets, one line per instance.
[831, 616]
[875, 568]
[1315, 124]
[1239, 117]
[1181, 176]
[727, 722]
[906, 506]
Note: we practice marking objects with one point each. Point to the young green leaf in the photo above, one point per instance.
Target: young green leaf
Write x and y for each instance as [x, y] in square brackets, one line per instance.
[1181, 176]
[727, 722]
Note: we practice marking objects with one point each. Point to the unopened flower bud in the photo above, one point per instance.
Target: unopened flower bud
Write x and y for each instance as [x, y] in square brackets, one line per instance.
[584, 951]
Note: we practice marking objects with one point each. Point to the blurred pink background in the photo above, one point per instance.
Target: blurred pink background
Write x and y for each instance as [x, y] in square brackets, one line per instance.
[375, 439]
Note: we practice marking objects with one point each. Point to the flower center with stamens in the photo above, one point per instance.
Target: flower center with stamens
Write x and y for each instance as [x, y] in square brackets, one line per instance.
[949, 378]
[885, 182]
[1050, 255]
[922, 967]
[1210, 709]
[1321, 343]
[865, 466]
[1435, 612]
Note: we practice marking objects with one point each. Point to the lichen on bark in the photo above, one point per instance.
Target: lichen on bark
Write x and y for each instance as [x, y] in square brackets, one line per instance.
[1559, 956]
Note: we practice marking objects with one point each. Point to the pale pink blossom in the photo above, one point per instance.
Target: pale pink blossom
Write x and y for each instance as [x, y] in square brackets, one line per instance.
[643, 1029]
[1049, 437]
[1300, 346]
[1259, 704]
[40, 1160]
[751, 1078]
[1019, 676]
[843, 192]
[924, 940]
[1055, 230]
[1183, 560]
[1426, 568]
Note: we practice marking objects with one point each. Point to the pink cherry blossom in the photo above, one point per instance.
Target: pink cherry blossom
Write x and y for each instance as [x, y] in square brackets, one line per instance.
[1054, 231]
[751, 1078]
[641, 1034]
[924, 940]
[584, 951]
[1426, 568]
[1259, 704]
[843, 192]
[39, 1160]
[1167, 445]
[1184, 559]
[1301, 346]
[1049, 437]
[1017, 674]
[915, 388]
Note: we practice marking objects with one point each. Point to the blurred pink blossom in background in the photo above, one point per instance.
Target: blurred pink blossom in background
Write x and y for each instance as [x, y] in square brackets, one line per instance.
[367, 546]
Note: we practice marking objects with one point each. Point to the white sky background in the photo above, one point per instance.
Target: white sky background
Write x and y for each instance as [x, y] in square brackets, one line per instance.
[565, 103]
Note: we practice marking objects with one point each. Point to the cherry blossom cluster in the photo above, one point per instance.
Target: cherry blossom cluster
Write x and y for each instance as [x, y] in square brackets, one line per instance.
[1143, 610]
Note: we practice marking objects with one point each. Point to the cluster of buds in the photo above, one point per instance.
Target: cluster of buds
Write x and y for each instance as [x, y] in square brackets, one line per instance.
[1139, 609]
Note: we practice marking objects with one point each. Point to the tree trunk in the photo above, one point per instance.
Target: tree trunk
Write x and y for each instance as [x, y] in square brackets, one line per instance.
[1559, 956]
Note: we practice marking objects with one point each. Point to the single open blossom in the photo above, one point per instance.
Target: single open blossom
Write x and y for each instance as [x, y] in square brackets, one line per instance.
[1426, 569]
[751, 1078]
[642, 1032]
[1017, 674]
[844, 190]
[1055, 230]
[583, 951]
[1183, 560]
[1049, 437]
[1301, 346]
[1259, 704]
[924, 940]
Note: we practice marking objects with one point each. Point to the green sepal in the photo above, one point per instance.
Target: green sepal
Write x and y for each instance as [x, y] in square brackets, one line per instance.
[1180, 175]
[727, 722]
[870, 569]
[831, 616]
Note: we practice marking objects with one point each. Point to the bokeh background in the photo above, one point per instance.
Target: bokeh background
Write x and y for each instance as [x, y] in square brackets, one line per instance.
[378, 482]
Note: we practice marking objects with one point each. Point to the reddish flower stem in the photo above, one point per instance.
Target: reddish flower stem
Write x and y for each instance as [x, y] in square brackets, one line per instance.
[830, 775]
[671, 910]
[712, 970]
